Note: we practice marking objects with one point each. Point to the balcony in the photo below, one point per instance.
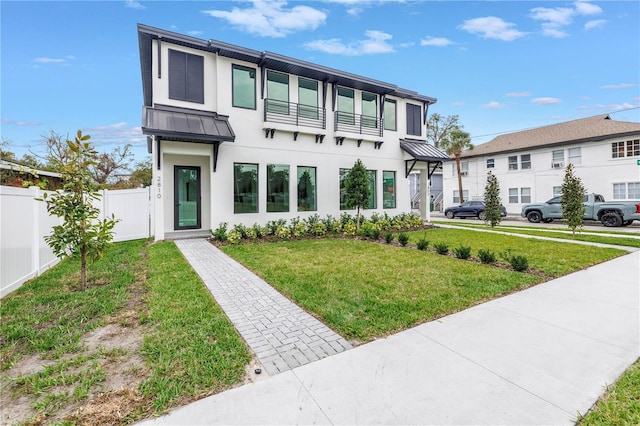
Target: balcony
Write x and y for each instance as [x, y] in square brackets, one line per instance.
[294, 114]
[355, 123]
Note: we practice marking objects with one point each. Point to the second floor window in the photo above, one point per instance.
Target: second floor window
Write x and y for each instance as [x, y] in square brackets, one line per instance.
[490, 163]
[308, 98]
[464, 168]
[513, 162]
[186, 76]
[278, 92]
[414, 120]
[244, 87]
[390, 114]
[575, 156]
[557, 159]
[369, 110]
[346, 111]
[525, 161]
[625, 149]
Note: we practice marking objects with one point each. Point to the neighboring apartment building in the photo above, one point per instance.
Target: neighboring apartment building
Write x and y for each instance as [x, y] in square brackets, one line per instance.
[243, 136]
[530, 165]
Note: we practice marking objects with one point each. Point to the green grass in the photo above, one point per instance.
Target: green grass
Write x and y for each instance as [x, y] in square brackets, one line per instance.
[620, 405]
[364, 290]
[549, 257]
[562, 234]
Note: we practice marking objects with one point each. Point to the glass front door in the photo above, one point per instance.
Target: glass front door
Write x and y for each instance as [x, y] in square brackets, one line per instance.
[187, 197]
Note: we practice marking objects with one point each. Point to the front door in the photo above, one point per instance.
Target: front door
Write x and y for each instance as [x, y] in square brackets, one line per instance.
[186, 213]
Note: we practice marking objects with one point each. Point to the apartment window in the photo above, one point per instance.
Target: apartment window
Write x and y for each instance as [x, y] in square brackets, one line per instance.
[490, 163]
[369, 110]
[629, 148]
[414, 120]
[245, 190]
[390, 114]
[372, 203]
[464, 168]
[513, 195]
[307, 195]
[557, 191]
[277, 92]
[346, 111]
[343, 190]
[388, 190]
[575, 156]
[525, 195]
[456, 195]
[244, 87]
[308, 98]
[626, 191]
[525, 161]
[557, 159]
[186, 76]
[277, 188]
[513, 162]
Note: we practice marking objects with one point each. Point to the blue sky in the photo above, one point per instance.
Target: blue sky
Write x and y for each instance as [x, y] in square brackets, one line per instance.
[501, 66]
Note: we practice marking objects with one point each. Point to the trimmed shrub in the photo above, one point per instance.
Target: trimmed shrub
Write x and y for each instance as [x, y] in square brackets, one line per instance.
[486, 256]
[422, 244]
[220, 233]
[283, 232]
[349, 229]
[241, 229]
[388, 237]
[462, 252]
[318, 229]
[234, 236]
[403, 238]
[441, 248]
[519, 263]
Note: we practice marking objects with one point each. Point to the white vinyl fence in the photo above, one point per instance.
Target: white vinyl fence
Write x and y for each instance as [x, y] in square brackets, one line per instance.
[24, 222]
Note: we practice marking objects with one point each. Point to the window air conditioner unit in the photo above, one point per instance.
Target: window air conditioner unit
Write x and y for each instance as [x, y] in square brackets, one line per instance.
[464, 173]
[557, 164]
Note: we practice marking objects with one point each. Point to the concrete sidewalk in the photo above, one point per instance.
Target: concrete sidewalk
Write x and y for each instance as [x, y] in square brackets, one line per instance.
[540, 356]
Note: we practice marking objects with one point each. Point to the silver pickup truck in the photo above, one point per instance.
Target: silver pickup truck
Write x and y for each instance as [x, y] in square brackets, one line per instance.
[596, 208]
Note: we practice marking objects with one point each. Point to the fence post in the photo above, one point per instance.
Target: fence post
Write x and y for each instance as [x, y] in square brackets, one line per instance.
[35, 242]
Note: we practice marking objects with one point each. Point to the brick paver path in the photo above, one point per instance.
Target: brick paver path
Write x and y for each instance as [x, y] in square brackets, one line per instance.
[280, 333]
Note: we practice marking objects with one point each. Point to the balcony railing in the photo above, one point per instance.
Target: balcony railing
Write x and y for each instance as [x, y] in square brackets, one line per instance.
[355, 123]
[294, 114]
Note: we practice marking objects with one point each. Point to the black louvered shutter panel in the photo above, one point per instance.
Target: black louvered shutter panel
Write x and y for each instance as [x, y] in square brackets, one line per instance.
[195, 78]
[177, 75]
[413, 120]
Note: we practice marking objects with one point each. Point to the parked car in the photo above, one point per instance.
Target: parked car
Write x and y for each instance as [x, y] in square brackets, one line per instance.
[612, 213]
[470, 209]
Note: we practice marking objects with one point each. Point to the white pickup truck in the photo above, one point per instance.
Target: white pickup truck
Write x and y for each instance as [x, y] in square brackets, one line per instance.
[596, 208]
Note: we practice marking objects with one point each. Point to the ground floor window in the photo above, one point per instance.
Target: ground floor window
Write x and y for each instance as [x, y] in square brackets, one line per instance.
[277, 188]
[513, 195]
[372, 203]
[388, 190]
[456, 195]
[626, 191]
[525, 195]
[307, 195]
[557, 191]
[245, 191]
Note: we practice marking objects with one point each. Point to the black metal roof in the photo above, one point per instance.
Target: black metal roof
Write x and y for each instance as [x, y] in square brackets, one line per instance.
[269, 60]
[422, 151]
[186, 125]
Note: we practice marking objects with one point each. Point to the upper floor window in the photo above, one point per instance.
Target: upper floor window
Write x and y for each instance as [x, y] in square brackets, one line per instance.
[390, 114]
[625, 149]
[346, 111]
[464, 168]
[244, 87]
[414, 120]
[575, 156]
[525, 161]
[186, 76]
[513, 162]
[308, 98]
[369, 110]
[557, 159]
[490, 163]
[277, 92]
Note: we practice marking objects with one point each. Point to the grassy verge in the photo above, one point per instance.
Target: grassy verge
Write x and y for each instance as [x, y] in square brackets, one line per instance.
[549, 257]
[561, 234]
[364, 290]
[620, 405]
[146, 336]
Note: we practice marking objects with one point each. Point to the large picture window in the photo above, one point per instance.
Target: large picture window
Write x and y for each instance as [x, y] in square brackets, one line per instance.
[278, 92]
[245, 191]
[390, 115]
[629, 148]
[244, 87]
[388, 190]
[414, 120]
[308, 98]
[186, 76]
[307, 195]
[343, 190]
[277, 188]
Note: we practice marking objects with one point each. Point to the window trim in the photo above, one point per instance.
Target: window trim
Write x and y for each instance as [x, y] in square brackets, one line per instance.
[252, 71]
[257, 188]
[387, 103]
[314, 183]
[386, 192]
[512, 165]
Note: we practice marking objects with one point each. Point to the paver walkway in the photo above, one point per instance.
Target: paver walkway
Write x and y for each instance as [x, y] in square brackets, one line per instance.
[281, 334]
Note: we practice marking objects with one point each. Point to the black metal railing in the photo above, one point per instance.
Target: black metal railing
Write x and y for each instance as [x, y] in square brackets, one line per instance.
[356, 123]
[294, 114]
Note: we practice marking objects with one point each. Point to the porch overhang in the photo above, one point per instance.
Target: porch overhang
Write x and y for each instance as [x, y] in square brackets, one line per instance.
[420, 150]
[187, 125]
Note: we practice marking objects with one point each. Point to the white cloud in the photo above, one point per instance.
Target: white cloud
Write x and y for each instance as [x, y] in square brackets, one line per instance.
[195, 33]
[557, 16]
[618, 86]
[518, 94]
[615, 107]
[546, 101]
[594, 24]
[19, 123]
[554, 20]
[492, 105]
[116, 133]
[587, 8]
[436, 41]
[47, 60]
[492, 27]
[133, 4]
[457, 103]
[375, 42]
[271, 18]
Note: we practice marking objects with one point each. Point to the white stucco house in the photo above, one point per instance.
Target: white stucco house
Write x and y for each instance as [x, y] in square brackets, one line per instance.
[530, 164]
[244, 136]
